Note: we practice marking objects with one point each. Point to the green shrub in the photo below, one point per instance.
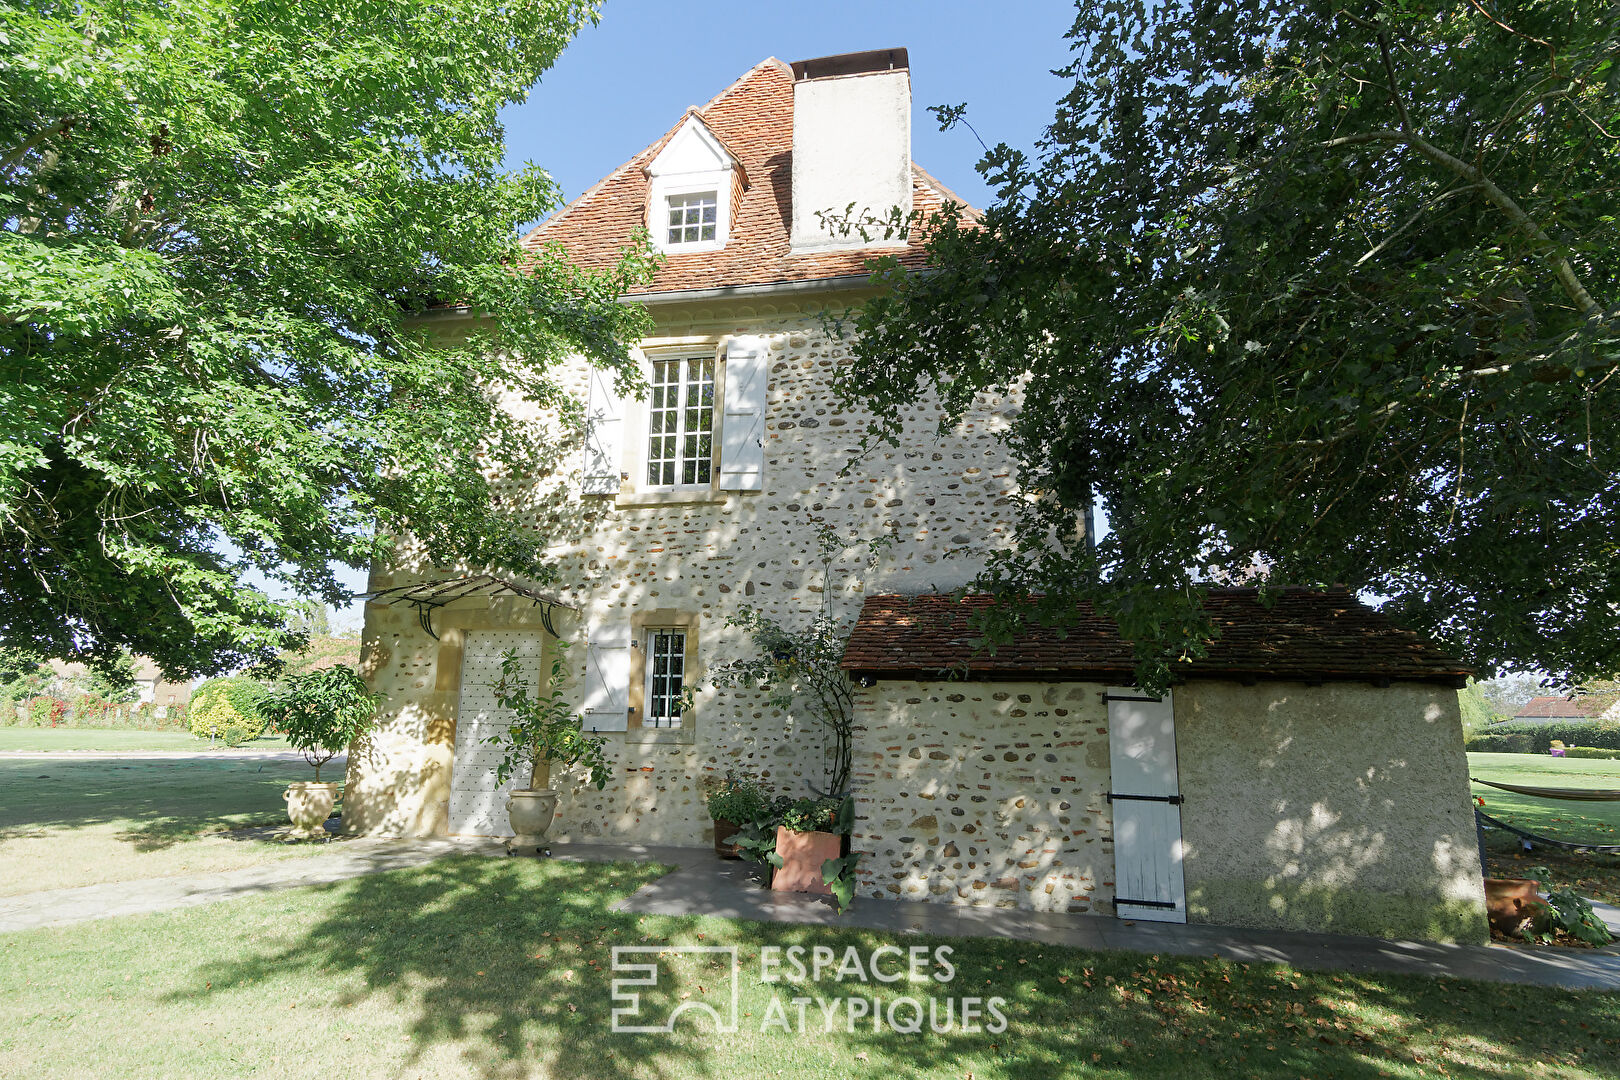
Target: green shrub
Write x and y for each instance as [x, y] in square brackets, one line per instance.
[1591, 752]
[738, 799]
[1499, 744]
[812, 815]
[227, 709]
[1603, 734]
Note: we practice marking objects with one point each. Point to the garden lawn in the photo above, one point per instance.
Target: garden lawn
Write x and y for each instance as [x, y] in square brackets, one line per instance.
[479, 968]
[82, 821]
[62, 738]
[1592, 874]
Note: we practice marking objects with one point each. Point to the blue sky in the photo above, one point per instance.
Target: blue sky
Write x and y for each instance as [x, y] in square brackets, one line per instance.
[622, 84]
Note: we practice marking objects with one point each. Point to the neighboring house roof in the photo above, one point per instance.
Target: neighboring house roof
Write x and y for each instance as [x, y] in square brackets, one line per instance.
[1305, 636]
[1563, 708]
[753, 119]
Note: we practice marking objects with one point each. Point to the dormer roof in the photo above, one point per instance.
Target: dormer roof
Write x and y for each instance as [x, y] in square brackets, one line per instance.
[752, 121]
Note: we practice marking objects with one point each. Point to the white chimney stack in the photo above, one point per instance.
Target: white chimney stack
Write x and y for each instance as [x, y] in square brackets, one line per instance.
[851, 144]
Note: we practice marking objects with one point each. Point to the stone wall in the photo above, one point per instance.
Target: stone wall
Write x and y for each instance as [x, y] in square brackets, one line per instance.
[984, 794]
[947, 499]
[1340, 808]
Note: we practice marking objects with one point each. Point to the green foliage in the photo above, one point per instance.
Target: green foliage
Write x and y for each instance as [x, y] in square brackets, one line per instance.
[1476, 710]
[1571, 913]
[839, 876]
[224, 228]
[812, 815]
[738, 799]
[544, 730]
[321, 712]
[1317, 293]
[1604, 735]
[1591, 752]
[227, 709]
[1496, 743]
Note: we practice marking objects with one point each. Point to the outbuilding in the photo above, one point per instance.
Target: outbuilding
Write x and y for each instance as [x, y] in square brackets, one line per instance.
[1307, 774]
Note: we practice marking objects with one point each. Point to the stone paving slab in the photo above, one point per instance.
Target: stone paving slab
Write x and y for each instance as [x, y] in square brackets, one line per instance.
[352, 858]
[705, 885]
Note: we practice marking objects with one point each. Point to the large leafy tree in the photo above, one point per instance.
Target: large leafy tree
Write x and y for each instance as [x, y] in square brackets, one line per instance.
[1321, 292]
[218, 221]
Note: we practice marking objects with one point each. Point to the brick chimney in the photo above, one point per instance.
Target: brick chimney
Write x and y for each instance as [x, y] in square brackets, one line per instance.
[851, 144]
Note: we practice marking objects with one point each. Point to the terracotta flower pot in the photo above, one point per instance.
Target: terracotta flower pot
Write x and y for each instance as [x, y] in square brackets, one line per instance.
[1511, 904]
[531, 814]
[308, 806]
[723, 832]
[802, 855]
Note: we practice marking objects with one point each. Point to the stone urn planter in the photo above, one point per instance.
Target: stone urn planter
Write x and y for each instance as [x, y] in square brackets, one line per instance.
[802, 855]
[531, 813]
[1513, 903]
[309, 804]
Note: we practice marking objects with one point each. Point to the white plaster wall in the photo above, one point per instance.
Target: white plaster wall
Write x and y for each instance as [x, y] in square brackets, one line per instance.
[949, 499]
[851, 144]
[1342, 807]
[984, 794]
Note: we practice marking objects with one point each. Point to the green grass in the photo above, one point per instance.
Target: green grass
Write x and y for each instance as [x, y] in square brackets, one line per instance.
[489, 968]
[82, 821]
[30, 738]
[1598, 822]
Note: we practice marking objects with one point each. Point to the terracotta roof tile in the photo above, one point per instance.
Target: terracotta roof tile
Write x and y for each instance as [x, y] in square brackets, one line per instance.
[1579, 708]
[1305, 636]
[753, 118]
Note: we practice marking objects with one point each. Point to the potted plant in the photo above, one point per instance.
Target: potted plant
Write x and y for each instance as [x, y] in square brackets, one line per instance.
[806, 839]
[321, 713]
[543, 732]
[735, 802]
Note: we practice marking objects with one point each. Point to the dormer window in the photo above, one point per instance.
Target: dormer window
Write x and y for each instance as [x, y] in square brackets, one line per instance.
[692, 189]
[692, 218]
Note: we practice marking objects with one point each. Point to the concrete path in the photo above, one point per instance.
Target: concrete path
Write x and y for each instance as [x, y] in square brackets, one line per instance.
[705, 885]
[348, 859]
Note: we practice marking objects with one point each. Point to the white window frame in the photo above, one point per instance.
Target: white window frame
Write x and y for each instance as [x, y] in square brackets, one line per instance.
[684, 359]
[649, 697]
[691, 245]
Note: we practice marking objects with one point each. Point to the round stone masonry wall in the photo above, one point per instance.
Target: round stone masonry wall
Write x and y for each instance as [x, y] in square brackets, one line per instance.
[984, 794]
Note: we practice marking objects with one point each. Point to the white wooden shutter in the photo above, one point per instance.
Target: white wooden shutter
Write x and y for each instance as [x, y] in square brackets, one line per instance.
[607, 678]
[742, 428]
[1146, 795]
[604, 436]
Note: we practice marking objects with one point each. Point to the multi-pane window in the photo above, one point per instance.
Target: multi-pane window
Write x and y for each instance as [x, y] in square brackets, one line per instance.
[680, 422]
[666, 676]
[692, 217]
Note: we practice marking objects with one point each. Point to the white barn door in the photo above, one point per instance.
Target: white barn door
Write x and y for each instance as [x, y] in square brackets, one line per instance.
[477, 803]
[1146, 797]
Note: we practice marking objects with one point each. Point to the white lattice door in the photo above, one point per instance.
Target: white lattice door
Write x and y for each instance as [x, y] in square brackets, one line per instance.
[477, 802]
[1146, 796]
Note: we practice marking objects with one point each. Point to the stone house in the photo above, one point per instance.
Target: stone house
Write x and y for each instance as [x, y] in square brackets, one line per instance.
[669, 515]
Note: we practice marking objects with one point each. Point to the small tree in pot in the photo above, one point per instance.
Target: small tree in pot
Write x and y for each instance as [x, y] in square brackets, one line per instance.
[321, 713]
[544, 731]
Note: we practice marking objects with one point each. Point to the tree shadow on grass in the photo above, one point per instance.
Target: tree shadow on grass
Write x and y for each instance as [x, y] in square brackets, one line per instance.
[508, 959]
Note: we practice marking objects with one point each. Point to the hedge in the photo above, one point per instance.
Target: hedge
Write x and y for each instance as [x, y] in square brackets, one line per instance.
[1590, 752]
[227, 709]
[1499, 744]
[1600, 734]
